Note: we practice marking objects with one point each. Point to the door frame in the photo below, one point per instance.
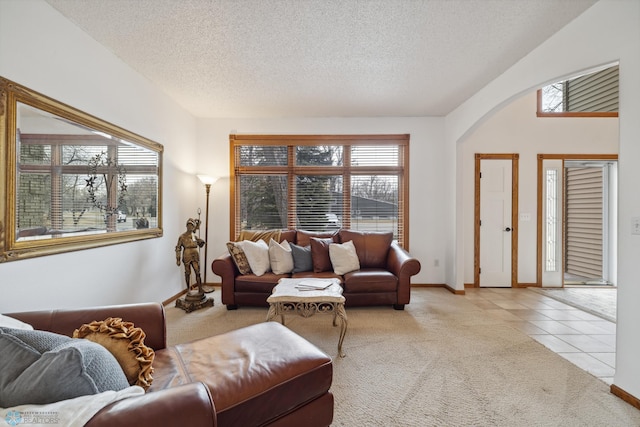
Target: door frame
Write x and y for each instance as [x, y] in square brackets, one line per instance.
[514, 157]
[563, 157]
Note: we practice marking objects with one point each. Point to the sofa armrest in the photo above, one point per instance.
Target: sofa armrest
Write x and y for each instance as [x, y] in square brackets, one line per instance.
[148, 316]
[187, 405]
[403, 266]
[224, 267]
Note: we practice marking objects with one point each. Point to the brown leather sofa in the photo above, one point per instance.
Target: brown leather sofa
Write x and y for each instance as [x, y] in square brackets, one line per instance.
[384, 277]
[261, 375]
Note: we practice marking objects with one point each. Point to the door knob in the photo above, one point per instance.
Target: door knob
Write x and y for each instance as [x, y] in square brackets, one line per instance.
[507, 229]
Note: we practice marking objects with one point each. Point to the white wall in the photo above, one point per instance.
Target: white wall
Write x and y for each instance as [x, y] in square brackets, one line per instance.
[44, 51]
[516, 129]
[427, 210]
[606, 32]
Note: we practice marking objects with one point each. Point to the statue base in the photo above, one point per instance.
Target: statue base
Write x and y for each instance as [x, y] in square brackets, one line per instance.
[194, 300]
[207, 288]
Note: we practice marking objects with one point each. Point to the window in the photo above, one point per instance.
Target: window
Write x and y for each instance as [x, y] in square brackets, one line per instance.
[589, 95]
[73, 184]
[320, 182]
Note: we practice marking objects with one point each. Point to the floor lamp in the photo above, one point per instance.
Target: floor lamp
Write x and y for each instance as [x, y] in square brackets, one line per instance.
[207, 181]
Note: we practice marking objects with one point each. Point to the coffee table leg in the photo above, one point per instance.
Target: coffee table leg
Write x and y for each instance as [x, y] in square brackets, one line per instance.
[342, 314]
[274, 310]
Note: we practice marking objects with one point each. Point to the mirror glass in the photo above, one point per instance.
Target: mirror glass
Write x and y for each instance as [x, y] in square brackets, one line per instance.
[73, 181]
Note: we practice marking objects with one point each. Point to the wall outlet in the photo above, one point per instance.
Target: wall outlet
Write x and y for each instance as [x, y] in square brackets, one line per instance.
[635, 225]
[436, 263]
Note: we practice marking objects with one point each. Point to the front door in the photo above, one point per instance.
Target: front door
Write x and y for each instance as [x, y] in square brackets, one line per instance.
[495, 223]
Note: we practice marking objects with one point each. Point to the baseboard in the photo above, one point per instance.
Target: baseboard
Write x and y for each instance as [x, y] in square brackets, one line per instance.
[184, 291]
[437, 285]
[175, 297]
[528, 285]
[630, 399]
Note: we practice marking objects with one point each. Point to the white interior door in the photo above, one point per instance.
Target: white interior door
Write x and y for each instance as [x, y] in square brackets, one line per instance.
[495, 223]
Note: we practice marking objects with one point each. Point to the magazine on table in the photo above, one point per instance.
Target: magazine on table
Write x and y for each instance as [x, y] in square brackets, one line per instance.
[314, 285]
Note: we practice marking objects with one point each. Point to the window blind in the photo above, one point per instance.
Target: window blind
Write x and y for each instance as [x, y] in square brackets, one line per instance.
[320, 183]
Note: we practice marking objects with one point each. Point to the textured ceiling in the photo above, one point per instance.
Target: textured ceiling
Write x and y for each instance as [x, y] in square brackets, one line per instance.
[320, 58]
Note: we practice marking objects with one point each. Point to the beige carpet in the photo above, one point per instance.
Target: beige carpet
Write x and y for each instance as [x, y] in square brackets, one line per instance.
[441, 362]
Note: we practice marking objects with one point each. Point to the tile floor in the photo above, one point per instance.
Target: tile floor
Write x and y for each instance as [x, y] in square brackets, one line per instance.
[586, 340]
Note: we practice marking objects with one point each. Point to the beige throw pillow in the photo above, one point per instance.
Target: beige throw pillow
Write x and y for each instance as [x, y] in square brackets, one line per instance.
[257, 254]
[344, 257]
[280, 257]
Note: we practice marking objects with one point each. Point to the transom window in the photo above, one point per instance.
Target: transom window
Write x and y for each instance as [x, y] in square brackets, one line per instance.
[320, 183]
[590, 95]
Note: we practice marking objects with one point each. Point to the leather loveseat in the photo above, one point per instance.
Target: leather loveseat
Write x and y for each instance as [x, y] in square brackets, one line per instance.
[384, 276]
[261, 375]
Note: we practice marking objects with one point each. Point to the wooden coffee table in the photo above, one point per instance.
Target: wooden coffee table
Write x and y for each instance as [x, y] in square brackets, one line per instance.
[307, 297]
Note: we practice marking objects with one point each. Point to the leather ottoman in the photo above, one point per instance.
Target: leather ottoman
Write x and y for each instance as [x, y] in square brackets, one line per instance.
[261, 374]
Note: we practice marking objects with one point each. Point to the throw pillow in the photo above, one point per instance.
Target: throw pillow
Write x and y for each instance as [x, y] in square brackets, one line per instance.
[301, 258]
[257, 254]
[280, 257]
[320, 254]
[41, 367]
[10, 322]
[239, 258]
[126, 343]
[344, 257]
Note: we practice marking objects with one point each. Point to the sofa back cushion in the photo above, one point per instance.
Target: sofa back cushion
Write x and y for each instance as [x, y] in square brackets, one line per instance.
[303, 237]
[288, 235]
[372, 247]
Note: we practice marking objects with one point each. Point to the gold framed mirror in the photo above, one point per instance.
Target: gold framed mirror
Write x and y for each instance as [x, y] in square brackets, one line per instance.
[70, 181]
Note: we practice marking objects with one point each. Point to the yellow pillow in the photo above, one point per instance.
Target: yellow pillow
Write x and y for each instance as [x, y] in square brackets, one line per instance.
[126, 343]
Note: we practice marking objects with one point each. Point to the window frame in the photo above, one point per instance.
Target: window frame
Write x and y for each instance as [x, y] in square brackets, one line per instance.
[540, 113]
[594, 78]
[346, 170]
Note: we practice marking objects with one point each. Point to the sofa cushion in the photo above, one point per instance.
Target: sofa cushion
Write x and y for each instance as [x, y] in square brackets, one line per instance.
[262, 284]
[61, 367]
[280, 257]
[257, 254]
[303, 237]
[344, 257]
[301, 258]
[126, 342]
[239, 258]
[370, 281]
[320, 254]
[372, 247]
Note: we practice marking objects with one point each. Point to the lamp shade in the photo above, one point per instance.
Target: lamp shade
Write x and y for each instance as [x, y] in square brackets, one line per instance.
[207, 179]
